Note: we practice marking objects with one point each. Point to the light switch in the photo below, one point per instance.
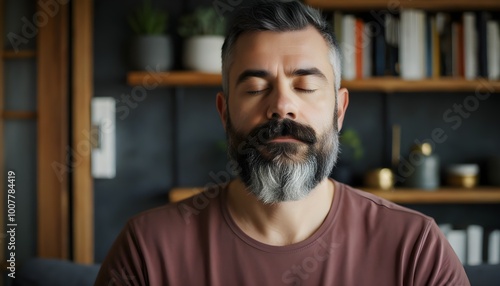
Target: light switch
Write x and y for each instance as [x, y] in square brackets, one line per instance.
[103, 138]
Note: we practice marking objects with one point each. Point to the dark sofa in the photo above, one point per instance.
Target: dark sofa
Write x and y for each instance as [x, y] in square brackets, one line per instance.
[52, 272]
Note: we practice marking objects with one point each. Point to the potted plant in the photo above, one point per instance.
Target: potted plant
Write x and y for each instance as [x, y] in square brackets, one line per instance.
[351, 149]
[151, 46]
[203, 31]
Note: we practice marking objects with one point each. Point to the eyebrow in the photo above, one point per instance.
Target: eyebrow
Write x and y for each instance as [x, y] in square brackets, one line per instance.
[263, 74]
[251, 73]
[311, 71]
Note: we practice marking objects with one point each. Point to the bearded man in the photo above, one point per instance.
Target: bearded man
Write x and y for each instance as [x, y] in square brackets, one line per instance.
[282, 221]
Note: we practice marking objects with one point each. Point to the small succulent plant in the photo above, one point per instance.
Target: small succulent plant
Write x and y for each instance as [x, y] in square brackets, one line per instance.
[148, 21]
[351, 143]
[203, 21]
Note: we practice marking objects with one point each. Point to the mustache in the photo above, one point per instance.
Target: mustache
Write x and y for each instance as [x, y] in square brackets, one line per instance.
[283, 127]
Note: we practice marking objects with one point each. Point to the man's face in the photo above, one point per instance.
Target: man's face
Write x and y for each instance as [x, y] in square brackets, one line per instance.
[280, 116]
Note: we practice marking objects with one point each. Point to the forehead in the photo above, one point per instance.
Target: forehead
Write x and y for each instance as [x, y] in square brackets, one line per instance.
[269, 50]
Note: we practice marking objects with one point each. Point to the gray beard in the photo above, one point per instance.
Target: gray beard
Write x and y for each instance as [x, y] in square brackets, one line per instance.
[291, 181]
[287, 176]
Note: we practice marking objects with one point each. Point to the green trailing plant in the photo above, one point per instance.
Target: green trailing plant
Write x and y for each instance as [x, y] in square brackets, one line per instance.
[148, 21]
[203, 21]
[351, 143]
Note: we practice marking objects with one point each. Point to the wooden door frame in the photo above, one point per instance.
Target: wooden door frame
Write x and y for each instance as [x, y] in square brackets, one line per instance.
[83, 89]
[52, 135]
[57, 158]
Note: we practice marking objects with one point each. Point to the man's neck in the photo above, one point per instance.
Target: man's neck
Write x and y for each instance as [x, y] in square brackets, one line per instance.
[283, 223]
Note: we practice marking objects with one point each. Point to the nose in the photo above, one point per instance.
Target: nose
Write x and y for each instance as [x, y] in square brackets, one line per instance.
[282, 104]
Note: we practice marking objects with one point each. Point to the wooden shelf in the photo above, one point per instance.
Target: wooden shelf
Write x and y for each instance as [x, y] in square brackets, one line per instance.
[23, 54]
[376, 84]
[445, 84]
[486, 195]
[19, 115]
[176, 78]
[435, 5]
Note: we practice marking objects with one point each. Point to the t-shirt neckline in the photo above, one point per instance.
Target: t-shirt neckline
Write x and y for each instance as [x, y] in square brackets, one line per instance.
[327, 224]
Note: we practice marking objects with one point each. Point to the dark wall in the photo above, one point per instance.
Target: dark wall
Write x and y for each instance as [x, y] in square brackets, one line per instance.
[19, 135]
[148, 164]
[172, 137]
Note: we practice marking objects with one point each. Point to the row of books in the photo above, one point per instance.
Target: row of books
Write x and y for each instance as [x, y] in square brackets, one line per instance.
[470, 243]
[415, 44]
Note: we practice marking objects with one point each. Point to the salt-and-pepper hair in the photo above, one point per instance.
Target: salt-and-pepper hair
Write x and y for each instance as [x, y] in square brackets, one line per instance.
[278, 16]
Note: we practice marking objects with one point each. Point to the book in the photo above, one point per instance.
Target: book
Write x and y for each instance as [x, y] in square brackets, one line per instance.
[482, 31]
[380, 50]
[428, 46]
[348, 46]
[436, 55]
[457, 49]
[367, 48]
[474, 245]
[457, 240]
[470, 45]
[359, 38]
[392, 36]
[444, 26]
[494, 247]
[460, 50]
[412, 44]
[337, 25]
[493, 43]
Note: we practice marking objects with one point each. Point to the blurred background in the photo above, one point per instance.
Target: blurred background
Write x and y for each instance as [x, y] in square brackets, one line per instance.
[164, 131]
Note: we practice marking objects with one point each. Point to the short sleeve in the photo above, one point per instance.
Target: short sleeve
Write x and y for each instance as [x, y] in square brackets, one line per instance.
[124, 263]
[435, 262]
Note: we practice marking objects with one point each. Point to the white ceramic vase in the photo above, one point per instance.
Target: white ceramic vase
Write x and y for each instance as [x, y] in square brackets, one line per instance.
[203, 53]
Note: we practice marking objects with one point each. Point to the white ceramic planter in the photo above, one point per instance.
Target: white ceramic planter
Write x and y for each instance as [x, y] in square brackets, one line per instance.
[151, 51]
[203, 53]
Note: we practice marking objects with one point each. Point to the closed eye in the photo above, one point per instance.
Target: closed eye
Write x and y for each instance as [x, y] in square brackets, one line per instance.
[255, 92]
[306, 90]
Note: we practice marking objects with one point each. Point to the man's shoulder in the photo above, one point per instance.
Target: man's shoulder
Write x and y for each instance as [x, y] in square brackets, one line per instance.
[181, 213]
[368, 203]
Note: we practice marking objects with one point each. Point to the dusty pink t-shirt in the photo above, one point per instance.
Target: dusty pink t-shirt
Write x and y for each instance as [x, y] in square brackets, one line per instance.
[364, 240]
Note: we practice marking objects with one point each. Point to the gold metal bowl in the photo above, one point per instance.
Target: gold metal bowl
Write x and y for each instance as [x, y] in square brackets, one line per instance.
[381, 178]
[462, 181]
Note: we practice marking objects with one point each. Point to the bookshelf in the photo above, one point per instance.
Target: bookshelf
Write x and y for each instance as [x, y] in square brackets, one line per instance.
[385, 84]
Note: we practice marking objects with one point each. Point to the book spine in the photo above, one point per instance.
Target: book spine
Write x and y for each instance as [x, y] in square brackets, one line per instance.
[474, 245]
[482, 20]
[493, 43]
[379, 50]
[367, 52]
[359, 35]
[457, 239]
[412, 46]
[470, 45]
[429, 42]
[436, 55]
[494, 247]
[348, 45]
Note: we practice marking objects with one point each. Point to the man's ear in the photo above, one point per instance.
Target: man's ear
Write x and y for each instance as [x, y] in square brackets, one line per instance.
[221, 104]
[343, 102]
